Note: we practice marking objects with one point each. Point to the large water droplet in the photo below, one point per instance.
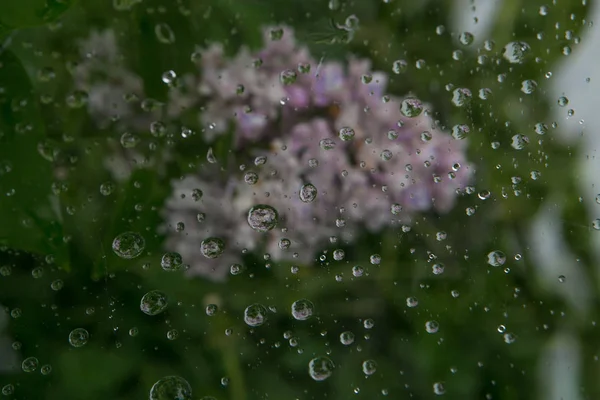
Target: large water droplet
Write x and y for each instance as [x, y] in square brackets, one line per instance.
[496, 258]
[519, 141]
[320, 368]
[302, 309]
[461, 97]
[262, 218]
[399, 66]
[411, 107]
[78, 337]
[154, 302]
[255, 315]
[432, 326]
[327, 144]
[171, 261]
[346, 133]
[288, 77]
[128, 245]
[212, 247]
[308, 193]
[171, 388]
[516, 52]
[369, 367]
[346, 338]
[164, 33]
[29, 364]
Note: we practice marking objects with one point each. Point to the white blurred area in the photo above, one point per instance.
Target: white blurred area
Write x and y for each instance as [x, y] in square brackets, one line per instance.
[577, 77]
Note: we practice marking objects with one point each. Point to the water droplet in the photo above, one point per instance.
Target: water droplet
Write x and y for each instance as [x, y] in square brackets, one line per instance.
[128, 245]
[432, 326]
[509, 338]
[46, 74]
[260, 160]
[129, 140]
[164, 33]
[339, 254]
[211, 309]
[212, 247]
[369, 367]
[562, 279]
[236, 269]
[375, 259]
[485, 93]
[255, 315]
[107, 188]
[399, 66]
[540, 128]
[320, 368]
[46, 369]
[352, 22]
[496, 258]
[302, 309]
[516, 52]
[262, 218]
[396, 208]
[460, 131]
[358, 271]
[438, 388]
[276, 34]
[210, 157]
[438, 269]
[288, 77]
[327, 144]
[284, 244]
[563, 101]
[171, 388]
[29, 364]
[519, 141]
[78, 337]
[77, 99]
[308, 193]
[346, 134]
[466, 38]
[251, 178]
[412, 302]
[461, 97]
[8, 389]
[347, 338]
[158, 129]
[484, 195]
[154, 302]
[169, 77]
[411, 107]
[528, 86]
[171, 261]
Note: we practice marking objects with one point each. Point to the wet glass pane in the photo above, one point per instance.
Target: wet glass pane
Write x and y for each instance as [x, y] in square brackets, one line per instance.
[302, 199]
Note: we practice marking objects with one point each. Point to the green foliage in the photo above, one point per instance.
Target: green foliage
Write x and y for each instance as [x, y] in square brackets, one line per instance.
[53, 217]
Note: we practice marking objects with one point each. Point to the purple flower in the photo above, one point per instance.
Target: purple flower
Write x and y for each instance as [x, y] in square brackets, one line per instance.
[315, 123]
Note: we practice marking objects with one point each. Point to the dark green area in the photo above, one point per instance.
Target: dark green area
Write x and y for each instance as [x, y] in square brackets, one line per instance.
[66, 227]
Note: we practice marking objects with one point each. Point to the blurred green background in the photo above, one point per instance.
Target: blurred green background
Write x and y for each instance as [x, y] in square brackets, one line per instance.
[56, 228]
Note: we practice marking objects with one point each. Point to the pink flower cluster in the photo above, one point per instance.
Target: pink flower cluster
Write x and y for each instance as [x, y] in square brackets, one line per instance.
[333, 153]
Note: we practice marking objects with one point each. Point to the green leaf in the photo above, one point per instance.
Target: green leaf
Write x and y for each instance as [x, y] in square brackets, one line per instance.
[24, 13]
[27, 217]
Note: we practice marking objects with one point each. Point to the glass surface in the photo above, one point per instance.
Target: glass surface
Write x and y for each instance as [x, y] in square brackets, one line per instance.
[301, 199]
